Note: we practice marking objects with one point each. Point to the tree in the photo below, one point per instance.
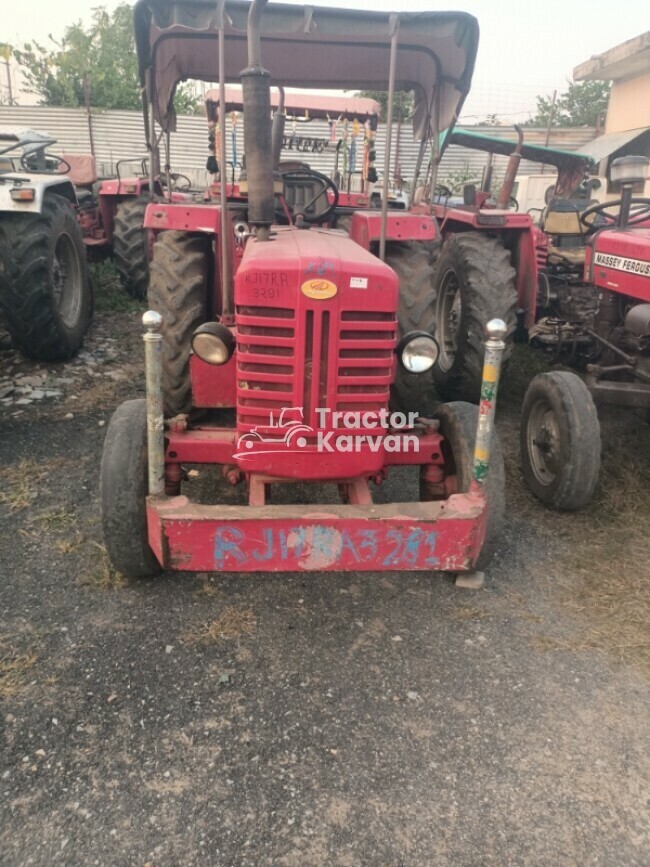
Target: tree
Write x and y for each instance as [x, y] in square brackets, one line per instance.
[402, 106]
[100, 57]
[581, 105]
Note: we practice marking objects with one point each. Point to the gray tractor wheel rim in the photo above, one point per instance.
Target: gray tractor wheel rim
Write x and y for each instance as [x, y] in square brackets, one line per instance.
[66, 277]
[448, 312]
[543, 442]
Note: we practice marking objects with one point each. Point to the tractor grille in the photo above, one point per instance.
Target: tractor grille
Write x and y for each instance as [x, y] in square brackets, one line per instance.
[365, 360]
[342, 363]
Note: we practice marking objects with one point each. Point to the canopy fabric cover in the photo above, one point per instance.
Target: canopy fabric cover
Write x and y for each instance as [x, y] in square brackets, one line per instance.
[315, 105]
[309, 47]
[561, 159]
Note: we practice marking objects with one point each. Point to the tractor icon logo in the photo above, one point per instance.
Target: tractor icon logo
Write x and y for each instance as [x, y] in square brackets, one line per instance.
[291, 432]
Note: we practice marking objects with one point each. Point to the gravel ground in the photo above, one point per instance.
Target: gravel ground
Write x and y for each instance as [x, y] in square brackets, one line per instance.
[348, 719]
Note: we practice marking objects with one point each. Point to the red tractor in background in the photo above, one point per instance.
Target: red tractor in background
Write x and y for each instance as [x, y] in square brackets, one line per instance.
[271, 350]
[492, 257]
[350, 145]
[110, 211]
[594, 313]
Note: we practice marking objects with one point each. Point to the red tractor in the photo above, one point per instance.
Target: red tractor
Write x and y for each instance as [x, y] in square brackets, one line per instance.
[492, 257]
[271, 350]
[484, 267]
[594, 313]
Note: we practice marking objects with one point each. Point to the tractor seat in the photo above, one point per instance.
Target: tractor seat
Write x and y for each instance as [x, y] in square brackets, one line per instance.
[83, 171]
[561, 220]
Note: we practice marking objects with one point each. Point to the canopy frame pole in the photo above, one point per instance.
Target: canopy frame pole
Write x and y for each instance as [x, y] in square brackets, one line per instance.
[394, 34]
[151, 134]
[435, 150]
[168, 164]
[226, 305]
[418, 165]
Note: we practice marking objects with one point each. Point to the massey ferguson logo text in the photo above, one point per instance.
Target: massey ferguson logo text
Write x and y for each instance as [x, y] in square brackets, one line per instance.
[619, 263]
[337, 432]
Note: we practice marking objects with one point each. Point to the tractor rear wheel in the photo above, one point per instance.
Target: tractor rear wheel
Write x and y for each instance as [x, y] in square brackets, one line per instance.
[474, 282]
[123, 490]
[45, 292]
[178, 290]
[411, 262]
[131, 246]
[560, 440]
[458, 422]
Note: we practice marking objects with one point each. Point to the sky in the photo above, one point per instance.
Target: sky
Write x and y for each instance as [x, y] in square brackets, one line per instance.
[526, 48]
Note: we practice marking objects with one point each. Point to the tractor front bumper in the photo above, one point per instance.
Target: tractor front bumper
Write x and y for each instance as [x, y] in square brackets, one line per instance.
[444, 535]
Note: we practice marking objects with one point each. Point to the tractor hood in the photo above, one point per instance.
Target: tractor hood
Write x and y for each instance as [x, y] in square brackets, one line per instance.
[309, 47]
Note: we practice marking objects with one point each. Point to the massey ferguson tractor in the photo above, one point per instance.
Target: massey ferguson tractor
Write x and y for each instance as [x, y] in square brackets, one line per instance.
[271, 350]
[594, 306]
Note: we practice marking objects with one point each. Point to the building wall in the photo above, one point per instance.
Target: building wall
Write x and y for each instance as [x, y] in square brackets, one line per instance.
[629, 104]
[120, 134]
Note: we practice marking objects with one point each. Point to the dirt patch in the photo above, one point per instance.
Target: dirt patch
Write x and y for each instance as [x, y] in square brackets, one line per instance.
[344, 719]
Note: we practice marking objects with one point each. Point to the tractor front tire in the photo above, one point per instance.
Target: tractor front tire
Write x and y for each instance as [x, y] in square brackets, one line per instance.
[458, 423]
[474, 282]
[178, 291]
[560, 440]
[131, 246]
[45, 292]
[123, 491]
[411, 261]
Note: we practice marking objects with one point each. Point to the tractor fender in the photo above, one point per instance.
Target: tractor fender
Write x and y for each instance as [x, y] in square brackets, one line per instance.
[519, 236]
[365, 227]
[42, 185]
[183, 217]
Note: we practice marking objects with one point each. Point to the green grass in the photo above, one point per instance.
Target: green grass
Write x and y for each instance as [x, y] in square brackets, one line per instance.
[110, 297]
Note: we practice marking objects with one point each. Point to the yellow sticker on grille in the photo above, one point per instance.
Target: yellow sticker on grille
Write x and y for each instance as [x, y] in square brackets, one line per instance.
[319, 289]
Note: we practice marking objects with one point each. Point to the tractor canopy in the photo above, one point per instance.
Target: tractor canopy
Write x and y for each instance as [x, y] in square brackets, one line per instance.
[310, 106]
[571, 165]
[309, 47]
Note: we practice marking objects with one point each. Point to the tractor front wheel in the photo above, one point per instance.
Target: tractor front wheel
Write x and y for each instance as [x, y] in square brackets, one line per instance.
[178, 291]
[474, 282]
[45, 293]
[560, 440]
[458, 423]
[411, 261]
[131, 247]
[123, 486]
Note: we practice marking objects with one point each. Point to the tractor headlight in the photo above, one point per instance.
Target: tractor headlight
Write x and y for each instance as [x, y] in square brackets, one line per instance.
[417, 351]
[213, 343]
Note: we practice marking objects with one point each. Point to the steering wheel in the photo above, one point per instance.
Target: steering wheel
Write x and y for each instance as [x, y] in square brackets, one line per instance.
[54, 163]
[639, 212]
[442, 191]
[325, 184]
[175, 176]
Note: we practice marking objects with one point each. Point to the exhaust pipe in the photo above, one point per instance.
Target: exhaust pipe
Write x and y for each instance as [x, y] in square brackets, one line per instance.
[256, 87]
[511, 172]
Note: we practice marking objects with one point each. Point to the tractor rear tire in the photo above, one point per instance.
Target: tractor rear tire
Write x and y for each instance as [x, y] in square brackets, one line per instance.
[474, 282]
[560, 440]
[131, 246]
[123, 491]
[411, 262]
[45, 293]
[458, 422]
[178, 290]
